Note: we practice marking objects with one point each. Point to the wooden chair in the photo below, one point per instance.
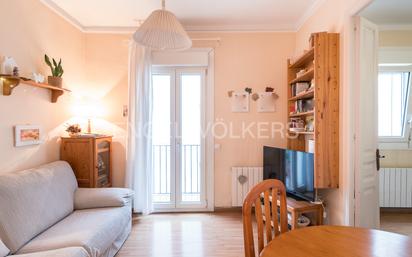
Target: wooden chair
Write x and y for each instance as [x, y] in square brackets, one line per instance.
[268, 188]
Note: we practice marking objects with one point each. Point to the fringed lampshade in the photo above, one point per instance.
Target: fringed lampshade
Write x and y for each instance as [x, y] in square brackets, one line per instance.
[162, 31]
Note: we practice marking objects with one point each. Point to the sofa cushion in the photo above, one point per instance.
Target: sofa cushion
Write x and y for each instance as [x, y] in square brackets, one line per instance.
[93, 229]
[4, 251]
[63, 252]
[33, 200]
[87, 198]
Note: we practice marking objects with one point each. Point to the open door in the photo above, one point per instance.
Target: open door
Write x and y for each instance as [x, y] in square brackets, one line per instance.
[366, 140]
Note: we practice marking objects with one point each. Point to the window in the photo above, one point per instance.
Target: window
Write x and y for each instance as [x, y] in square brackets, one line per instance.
[393, 94]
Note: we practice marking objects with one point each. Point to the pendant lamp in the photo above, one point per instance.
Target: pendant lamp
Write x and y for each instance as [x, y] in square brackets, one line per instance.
[162, 31]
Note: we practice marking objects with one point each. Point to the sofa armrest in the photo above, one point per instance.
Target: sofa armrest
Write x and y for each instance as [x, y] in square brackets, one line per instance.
[89, 198]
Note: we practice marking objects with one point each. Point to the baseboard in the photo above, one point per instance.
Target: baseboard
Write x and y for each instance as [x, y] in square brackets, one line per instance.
[216, 209]
[395, 210]
[228, 209]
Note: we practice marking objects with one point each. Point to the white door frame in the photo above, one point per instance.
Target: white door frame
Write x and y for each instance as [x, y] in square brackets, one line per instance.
[207, 135]
[350, 100]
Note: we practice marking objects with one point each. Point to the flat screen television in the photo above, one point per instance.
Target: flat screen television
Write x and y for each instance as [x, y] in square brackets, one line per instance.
[294, 168]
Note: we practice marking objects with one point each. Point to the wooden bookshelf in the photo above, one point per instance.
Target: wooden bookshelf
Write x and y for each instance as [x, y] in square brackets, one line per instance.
[11, 82]
[321, 65]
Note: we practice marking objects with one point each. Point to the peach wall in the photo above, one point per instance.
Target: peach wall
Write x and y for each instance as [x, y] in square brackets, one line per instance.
[255, 60]
[96, 68]
[396, 159]
[91, 70]
[28, 31]
[395, 38]
[96, 64]
[106, 80]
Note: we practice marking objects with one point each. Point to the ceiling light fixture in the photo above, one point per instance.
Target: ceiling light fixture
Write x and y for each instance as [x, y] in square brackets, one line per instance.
[162, 31]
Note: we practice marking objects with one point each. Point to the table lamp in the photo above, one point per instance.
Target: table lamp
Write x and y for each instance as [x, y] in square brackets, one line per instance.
[88, 110]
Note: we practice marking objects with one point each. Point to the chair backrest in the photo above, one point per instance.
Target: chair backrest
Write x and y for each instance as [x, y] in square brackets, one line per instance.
[268, 220]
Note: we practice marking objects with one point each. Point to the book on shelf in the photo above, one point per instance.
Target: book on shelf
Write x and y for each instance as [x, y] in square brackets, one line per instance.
[296, 125]
[300, 88]
[304, 105]
[292, 109]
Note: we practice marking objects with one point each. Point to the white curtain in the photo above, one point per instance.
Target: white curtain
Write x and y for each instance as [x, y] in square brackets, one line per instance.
[138, 156]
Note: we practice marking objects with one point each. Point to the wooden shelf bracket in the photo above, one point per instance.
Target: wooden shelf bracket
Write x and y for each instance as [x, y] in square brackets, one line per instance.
[9, 84]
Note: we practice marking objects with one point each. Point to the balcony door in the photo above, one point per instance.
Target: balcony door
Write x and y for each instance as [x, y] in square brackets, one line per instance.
[178, 146]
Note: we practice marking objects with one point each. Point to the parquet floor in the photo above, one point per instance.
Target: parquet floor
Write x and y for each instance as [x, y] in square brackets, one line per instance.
[208, 234]
[185, 235]
[400, 223]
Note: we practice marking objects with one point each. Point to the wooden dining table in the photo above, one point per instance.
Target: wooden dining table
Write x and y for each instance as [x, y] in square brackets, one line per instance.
[336, 241]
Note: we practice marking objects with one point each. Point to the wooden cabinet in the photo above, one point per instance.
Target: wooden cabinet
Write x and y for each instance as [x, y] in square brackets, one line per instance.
[90, 159]
[319, 67]
[295, 208]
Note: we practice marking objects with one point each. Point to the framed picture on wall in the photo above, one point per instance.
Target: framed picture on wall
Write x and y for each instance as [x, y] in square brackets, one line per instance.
[27, 135]
[240, 102]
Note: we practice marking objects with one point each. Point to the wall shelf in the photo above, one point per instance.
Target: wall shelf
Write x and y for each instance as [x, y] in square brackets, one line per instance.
[304, 59]
[307, 76]
[307, 95]
[11, 82]
[302, 114]
[302, 132]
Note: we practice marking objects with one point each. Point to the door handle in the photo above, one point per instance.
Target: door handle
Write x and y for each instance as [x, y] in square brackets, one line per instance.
[378, 159]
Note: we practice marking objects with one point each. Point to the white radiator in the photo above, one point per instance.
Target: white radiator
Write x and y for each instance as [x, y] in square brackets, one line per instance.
[243, 179]
[395, 187]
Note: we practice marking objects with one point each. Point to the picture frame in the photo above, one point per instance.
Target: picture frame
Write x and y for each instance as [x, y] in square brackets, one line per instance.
[25, 135]
[240, 102]
[266, 102]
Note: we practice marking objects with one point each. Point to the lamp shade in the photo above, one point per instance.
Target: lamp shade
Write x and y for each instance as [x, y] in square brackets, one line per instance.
[162, 31]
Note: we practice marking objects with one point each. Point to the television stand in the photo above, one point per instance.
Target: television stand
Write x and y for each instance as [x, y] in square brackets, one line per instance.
[314, 211]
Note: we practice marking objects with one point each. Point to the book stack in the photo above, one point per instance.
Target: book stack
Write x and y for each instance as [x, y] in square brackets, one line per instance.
[300, 88]
[303, 105]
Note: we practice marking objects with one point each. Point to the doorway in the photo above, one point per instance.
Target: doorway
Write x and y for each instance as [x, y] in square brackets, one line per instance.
[179, 178]
[383, 113]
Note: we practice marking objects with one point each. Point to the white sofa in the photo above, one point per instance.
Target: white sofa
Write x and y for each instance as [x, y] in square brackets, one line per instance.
[44, 213]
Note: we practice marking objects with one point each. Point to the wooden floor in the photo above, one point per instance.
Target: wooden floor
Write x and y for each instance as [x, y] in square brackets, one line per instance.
[209, 234]
[185, 235]
[397, 222]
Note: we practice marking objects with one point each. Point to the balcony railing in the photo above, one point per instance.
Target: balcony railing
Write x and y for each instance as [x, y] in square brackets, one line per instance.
[190, 173]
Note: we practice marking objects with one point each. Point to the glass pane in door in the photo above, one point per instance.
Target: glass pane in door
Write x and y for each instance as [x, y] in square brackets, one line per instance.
[103, 164]
[161, 139]
[190, 168]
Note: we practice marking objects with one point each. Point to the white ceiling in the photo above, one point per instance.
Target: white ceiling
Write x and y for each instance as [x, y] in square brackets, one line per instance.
[390, 13]
[196, 15]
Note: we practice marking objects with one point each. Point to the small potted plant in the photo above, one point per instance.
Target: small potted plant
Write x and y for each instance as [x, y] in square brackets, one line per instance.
[73, 130]
[56, 70]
